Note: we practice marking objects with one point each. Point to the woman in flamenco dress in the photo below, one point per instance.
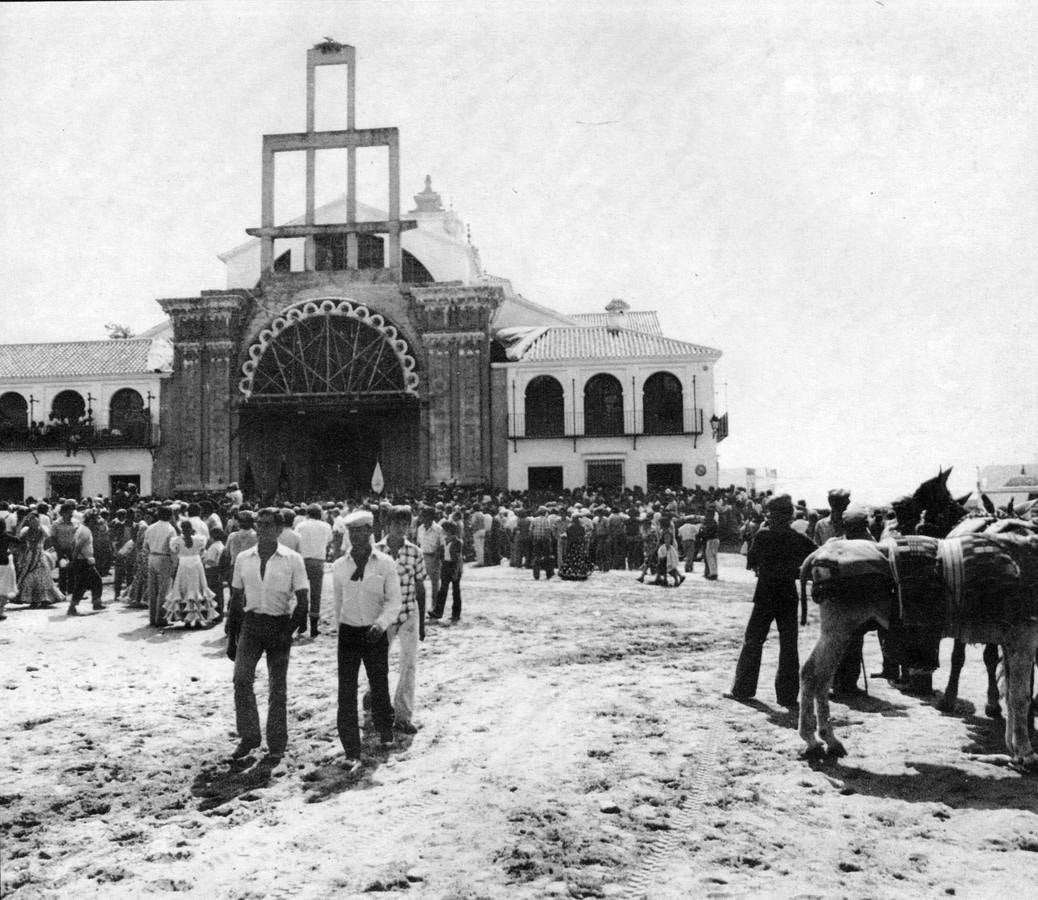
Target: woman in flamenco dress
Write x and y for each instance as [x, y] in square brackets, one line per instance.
[189, 599]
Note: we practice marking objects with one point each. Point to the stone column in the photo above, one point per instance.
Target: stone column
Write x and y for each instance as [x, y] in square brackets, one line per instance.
[455, 325]
[196, 438]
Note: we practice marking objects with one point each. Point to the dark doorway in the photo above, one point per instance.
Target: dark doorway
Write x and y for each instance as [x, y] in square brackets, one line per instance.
[663, 475]
[545, 478]
[65, 484]
[605, 474]
[115, 481]
[12, 489]
[318, 452]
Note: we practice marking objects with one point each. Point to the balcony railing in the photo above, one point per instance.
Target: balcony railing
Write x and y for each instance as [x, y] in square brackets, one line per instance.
[74, 438]
[633, 423]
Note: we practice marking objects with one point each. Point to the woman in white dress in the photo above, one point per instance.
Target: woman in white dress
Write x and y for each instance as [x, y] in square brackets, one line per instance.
[189, 599]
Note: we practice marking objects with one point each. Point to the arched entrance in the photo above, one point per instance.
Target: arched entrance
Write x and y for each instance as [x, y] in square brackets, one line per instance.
[329, 389]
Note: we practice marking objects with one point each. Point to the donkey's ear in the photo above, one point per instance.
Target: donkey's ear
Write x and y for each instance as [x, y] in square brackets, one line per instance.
[964, 499]
[1009, 509]
[988, 505]
[945, 474]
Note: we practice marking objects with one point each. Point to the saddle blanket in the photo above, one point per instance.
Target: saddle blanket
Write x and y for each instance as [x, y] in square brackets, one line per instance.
[965, 582]
[839, 559]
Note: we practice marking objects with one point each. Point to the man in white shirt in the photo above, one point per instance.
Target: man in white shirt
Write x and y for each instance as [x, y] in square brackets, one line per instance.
[430, 540]
[314, 536]
[160, 563]
[366, 600]
[268, 587]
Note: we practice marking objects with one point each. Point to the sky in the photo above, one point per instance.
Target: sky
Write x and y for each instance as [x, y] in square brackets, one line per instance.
[839, 195]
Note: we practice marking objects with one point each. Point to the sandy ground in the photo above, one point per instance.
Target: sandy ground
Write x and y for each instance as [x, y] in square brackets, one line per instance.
[574, 742]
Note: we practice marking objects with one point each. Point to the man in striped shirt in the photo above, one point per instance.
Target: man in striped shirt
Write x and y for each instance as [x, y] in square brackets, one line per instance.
[409, 625]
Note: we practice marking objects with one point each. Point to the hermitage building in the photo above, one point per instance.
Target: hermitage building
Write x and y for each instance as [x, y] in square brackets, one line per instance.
[354, 336]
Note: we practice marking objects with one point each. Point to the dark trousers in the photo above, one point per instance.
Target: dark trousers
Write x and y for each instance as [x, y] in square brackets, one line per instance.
[123, 573]
[543, 557]
[271, 635]
[846, 676]
[315, 575]
[450, 578]
[353, 650]
[634, 552]
[65, 576]
[84, 578]
[774, 600]
[215, 582]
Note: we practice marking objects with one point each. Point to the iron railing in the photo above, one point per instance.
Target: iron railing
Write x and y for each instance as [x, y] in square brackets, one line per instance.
[73, 438]
[632, 423]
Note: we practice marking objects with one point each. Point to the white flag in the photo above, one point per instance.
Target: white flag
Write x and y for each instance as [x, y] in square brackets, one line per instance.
[377, 482]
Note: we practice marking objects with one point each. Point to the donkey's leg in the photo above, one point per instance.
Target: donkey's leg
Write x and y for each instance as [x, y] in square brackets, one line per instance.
[808, 694]
[838, 622]
[992, 709]
[1018, 656]
[951, 692]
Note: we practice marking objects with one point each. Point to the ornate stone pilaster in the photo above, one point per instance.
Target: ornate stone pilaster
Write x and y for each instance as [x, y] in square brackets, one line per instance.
[455, 325]
[195, 451]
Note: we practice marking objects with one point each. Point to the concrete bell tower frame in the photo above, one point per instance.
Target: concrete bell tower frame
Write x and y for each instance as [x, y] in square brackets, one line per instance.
[331, 53]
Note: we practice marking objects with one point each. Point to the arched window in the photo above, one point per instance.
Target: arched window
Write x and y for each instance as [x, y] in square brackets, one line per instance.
[126, 413]
[662, 400]
[14, 412]
[544, 408]
[603, 406]
[68, 407]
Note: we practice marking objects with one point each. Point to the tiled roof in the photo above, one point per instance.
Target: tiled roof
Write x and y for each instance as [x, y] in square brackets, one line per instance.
[636, 321]
[111, 357]
[599, 343]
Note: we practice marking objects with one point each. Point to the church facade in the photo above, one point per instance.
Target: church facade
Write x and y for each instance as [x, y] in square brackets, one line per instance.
[354, 337]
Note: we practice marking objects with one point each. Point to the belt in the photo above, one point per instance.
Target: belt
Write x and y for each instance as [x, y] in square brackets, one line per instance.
[153, 553]
[250, 614]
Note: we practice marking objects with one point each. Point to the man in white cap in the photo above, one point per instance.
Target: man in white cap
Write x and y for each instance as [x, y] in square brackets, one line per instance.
[366, 600]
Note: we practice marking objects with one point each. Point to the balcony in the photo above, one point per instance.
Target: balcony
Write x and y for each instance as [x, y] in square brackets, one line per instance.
[633, 423]
[141, 434]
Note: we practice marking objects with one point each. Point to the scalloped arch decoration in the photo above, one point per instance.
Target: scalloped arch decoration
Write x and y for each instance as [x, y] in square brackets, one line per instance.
[329, 306]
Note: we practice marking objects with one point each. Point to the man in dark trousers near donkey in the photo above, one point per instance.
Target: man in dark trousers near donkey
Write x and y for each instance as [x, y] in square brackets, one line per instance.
[775, 555]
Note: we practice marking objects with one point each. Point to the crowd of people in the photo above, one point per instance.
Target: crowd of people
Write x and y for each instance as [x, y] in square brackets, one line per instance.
[260, 570]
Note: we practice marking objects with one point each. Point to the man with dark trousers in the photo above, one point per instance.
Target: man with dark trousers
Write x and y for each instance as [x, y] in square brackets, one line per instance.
[366, 600]
[268, 599]
[775, 555]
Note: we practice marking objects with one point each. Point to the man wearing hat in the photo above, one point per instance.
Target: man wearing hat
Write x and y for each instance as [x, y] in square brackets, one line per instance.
[366, 601]
[709, 540]
[775, 555]
[853, 526]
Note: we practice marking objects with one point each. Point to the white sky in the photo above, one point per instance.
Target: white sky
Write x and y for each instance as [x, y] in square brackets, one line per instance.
[839, 195]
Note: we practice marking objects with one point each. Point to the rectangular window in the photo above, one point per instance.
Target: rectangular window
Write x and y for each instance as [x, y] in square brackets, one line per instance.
[68, 485]
[114, 481]
[663, 475]
[545, 478]
[605, 474]
[12, 489]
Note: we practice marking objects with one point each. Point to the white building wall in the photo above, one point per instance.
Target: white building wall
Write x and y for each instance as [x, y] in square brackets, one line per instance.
[95, 471]
[96, 476]
[696, 454]
[658, 449]
[100, 389]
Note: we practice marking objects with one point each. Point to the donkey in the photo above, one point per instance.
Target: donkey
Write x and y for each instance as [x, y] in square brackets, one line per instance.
[869, 599]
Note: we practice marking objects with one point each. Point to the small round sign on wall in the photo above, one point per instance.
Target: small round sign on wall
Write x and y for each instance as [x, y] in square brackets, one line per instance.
[700, 470]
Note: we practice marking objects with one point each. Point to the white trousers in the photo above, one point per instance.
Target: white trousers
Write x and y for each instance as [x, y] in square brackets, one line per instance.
[407, 640]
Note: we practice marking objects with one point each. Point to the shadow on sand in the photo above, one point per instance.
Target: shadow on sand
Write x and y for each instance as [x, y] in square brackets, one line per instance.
[931, 783]
[219, 784]
[329, 778]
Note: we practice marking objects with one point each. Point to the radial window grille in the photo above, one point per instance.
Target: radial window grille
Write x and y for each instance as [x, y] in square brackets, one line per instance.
[329, 348]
